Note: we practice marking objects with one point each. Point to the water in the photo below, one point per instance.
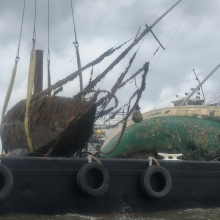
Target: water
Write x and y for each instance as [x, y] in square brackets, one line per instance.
[206, 214]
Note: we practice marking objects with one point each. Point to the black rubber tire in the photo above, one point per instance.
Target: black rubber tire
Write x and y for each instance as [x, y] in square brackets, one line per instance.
[156, 182]
[6, 181]
[82, 180]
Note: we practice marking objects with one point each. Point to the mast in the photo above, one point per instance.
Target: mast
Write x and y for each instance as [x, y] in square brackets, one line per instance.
[118, 59]
[200, 84]
[79, 70]
[77, 55]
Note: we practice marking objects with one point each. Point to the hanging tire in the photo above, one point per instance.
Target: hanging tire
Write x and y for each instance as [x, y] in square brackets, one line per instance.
[93, 179]
[156, 182]
[6, 182]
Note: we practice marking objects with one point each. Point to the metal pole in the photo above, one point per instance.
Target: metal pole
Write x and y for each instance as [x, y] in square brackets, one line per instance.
[38, 74]
[191, 94]
[79, 71]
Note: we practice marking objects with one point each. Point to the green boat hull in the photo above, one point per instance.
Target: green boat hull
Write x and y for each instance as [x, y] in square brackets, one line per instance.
[197, 137]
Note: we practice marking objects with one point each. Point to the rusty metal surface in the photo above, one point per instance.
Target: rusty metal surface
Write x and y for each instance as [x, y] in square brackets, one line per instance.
[57, 125]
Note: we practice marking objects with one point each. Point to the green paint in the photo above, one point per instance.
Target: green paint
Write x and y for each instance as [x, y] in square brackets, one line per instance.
[196, 138]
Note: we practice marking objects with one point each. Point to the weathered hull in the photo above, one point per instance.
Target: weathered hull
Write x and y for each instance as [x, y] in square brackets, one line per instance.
[49, 186]
[192, 131]
[57, 125]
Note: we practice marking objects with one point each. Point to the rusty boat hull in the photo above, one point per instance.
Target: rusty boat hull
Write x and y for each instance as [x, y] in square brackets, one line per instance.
[58, 126]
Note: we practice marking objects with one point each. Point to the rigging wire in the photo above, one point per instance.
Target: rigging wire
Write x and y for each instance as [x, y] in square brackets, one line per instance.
[72, 58]
[143, 24]
[114, 89]
[48, 51]
[134, 31]
[186, 12]
[76, 41]
[206, 63]
[10, 87]
[159, 11]
[184, 15]
[34, 31]
[19, 42]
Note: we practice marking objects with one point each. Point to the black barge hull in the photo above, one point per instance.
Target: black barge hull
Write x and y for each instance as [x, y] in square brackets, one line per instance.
[49, 186]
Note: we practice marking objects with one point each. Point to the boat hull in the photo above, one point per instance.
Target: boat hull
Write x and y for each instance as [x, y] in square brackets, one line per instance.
[49, 186]
[174, 130]
[57, 126]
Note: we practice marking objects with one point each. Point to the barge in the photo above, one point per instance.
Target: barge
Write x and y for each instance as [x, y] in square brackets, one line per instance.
[74, 185]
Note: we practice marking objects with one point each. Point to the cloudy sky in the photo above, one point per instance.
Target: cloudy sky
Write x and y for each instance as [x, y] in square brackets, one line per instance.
[190, 33]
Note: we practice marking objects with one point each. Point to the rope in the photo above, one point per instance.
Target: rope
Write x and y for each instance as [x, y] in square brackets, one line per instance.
[30, 86]
[129, 111]
[151, 159]
[76, 41]
[10, 87]
[91, 157]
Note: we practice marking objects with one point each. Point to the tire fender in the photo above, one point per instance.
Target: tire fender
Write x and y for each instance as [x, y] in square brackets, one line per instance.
[103, 177]
[6, 182]
[156, 182]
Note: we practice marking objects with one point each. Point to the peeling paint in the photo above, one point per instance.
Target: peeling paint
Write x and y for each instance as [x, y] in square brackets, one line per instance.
[196, 138]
